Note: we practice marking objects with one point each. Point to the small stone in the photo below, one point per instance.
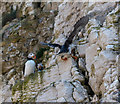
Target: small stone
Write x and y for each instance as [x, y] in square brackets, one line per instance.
[17, 52]
[45, 53]
[82, 49]
[93, 37]
[11, 73]
[33, 42]
[81, 64]
[95, 98]
[107, 37]
[73, 70]
[98, 49]
[79, 78]
[109, 47]
[62, 99]
[13, 55]
[80, 35]
[11, 81]
[78, 96]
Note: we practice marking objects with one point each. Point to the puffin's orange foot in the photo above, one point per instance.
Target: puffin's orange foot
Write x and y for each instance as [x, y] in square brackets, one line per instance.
[64, 58]
[74, 57]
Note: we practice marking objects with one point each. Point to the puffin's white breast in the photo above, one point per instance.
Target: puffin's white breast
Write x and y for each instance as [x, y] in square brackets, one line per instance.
[29, 67]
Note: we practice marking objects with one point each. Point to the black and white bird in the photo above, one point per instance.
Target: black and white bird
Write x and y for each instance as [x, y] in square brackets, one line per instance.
[77, 28]
[29, 66]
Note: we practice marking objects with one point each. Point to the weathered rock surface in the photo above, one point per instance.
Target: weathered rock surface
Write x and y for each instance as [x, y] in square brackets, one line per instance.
[102, 60]
[92, 77]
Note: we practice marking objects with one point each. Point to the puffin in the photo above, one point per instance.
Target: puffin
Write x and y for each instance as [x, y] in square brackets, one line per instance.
[79, 26]
[29, 66]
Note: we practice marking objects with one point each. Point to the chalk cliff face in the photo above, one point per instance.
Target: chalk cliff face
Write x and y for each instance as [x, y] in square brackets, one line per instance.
[92, 77]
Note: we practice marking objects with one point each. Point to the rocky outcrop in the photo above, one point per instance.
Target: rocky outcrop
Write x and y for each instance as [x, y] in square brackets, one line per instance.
[58, 83]
[22, 35]
[92, 77]
[102, 61]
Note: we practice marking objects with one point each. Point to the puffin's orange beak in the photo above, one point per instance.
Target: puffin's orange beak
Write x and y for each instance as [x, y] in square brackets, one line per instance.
[34, 57]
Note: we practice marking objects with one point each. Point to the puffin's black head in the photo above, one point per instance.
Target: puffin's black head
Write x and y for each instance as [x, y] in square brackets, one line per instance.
[31, 56]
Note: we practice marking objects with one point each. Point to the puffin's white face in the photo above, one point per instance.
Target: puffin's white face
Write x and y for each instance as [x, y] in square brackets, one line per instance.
[31, 55]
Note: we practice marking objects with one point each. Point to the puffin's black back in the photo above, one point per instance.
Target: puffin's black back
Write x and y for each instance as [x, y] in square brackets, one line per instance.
[64, 49]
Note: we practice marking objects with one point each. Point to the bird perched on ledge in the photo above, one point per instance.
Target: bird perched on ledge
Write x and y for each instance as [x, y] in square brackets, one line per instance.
[29, 66]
